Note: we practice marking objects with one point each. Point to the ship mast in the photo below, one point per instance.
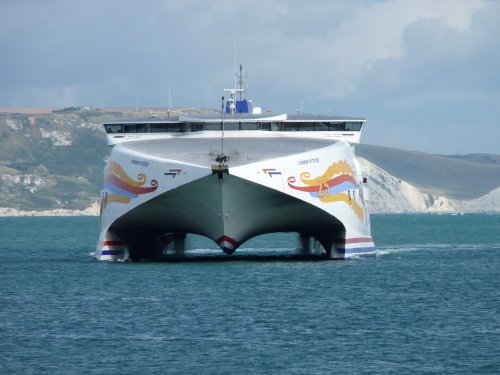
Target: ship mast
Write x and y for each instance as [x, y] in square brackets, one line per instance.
[241, 82]
[239, 87]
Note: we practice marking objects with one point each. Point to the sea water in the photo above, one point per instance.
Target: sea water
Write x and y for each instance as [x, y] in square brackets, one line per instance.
[427, 303]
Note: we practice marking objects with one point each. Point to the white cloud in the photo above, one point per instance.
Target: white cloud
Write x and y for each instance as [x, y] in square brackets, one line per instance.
[376, 33]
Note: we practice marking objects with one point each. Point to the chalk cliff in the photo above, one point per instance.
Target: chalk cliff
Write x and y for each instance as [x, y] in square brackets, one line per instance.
[389, 194]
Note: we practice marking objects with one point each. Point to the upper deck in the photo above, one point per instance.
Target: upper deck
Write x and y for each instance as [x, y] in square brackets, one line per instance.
[239, 125]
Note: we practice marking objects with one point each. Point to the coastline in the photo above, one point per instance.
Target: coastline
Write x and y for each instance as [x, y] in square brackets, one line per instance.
[93, 210]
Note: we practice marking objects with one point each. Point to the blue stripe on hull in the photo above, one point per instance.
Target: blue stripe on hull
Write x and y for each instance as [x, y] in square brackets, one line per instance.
[112, 252]
[358, 250]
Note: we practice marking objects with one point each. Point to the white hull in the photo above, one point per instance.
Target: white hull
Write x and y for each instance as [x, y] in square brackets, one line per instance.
[158, 191]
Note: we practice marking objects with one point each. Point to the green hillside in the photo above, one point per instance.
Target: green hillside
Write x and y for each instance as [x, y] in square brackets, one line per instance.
[56, 160]
[51, 161]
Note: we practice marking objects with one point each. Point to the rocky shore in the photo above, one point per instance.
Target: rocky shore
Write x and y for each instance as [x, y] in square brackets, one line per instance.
[93, 210]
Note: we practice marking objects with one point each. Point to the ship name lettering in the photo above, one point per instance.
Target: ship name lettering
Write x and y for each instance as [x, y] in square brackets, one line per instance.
[139, 162]
[308, 161]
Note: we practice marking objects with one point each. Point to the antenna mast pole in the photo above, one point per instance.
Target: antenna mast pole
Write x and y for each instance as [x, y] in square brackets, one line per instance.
[222, 127]
[169, 91]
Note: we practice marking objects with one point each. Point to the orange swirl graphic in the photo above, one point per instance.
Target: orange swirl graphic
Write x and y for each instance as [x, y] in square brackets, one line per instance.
[344, 198]
[341, 167]
[116, 169]
[110, 198]
[322, 185]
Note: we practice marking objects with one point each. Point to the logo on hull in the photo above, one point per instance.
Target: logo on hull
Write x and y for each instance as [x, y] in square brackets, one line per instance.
[271, 172]
[173, 172]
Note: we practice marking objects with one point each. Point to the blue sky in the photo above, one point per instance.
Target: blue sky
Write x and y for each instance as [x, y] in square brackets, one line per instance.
[426, 74]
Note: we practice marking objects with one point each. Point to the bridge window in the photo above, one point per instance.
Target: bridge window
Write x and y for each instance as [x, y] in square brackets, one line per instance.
[248, 126]
[290, 126]
[307, 126]
[179, 127]
[336, 126]
[231, 125]
[213, 126]
[176, 127]
[130, 128]
[143, 128]
[353, 126]
[197, 126]
[114, 128]
[265, 126]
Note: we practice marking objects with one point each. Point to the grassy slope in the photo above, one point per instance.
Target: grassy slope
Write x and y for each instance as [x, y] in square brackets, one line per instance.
[71, 174]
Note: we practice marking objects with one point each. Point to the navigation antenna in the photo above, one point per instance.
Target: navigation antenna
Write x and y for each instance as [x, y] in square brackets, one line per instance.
[239, 87]
[242, 81]
[222, 134]
[169, 91]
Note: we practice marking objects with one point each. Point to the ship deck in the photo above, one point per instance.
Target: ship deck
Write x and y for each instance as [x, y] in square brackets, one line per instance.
[239, 151]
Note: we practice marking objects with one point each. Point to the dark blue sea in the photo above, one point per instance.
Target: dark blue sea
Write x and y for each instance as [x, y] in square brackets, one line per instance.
[427, 303]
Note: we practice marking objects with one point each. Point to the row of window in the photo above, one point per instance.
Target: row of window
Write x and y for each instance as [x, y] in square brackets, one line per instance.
[181, 127]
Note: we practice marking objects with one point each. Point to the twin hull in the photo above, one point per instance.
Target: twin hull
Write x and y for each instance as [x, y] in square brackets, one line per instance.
[153, 198]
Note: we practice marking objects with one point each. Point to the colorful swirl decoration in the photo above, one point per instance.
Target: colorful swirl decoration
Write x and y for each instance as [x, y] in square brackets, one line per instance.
[328, 188]
[122, 188]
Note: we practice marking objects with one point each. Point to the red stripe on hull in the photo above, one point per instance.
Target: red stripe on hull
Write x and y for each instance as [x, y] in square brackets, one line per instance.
[131, 189]
[228, 240]
[355, 240]
[333, 182]
[112, 243]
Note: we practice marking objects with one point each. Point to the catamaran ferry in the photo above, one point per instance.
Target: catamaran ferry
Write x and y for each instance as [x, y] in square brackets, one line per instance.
[231, 176]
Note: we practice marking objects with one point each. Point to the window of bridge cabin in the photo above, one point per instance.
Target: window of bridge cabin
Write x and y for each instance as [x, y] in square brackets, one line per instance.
[290, 126]
[353, 126]
[143, 128]
[213, 126]
[336, 126]
[306, 126]
[231, 125]
[321, 126]
[113, 128]
[264, 126]
[168, 128]
[129, 128]
[248, 126]
[197, 126]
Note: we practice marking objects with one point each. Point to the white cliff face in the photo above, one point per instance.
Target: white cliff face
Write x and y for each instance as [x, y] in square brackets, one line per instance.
[389, 194]
[486, 203]
[92, 210]
[96, 126]
[13, 125]
[30, 182]
[58, 138]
